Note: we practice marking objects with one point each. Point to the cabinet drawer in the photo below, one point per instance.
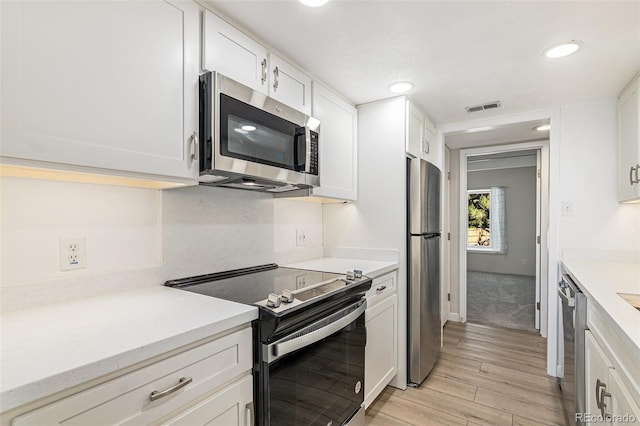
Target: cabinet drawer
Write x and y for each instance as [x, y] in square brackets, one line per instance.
[381, 287]
[126, 400]
[230, 407]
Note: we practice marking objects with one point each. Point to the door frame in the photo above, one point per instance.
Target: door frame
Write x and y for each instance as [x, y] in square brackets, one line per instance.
[445, 305]
[541, 274]
[550, 239]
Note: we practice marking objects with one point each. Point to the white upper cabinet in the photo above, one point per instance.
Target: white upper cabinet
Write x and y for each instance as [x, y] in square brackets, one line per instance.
[229, 51]
[289, 85]
[234, 54]
[421, 135]
[101, 84]
[338, 145]
[629, 143]
[415, 131]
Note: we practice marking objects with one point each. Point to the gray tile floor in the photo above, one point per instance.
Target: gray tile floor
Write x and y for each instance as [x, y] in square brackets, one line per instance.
[501, 299]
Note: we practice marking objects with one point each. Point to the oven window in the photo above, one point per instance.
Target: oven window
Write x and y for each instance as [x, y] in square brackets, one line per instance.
[321, 384]
[249, 133]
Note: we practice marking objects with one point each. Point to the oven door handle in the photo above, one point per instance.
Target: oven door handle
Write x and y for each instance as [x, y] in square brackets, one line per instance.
[281, 348]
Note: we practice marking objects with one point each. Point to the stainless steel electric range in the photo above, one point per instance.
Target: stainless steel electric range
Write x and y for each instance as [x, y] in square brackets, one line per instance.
[309, 340]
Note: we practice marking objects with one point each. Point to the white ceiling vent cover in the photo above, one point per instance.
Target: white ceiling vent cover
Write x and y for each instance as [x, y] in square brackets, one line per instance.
[488, 105]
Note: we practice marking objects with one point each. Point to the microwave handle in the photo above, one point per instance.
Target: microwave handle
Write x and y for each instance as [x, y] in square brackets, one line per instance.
[300, 131]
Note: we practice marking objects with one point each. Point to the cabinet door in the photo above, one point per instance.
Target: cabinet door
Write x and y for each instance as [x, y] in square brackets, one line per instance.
[338, 145]
[622, 405]
[234, 54]
[628, 144]
[596, 373]
[104, 84]
[381, 353]
[429, 144]
[289, 85]
[233, 406]
[415, 131]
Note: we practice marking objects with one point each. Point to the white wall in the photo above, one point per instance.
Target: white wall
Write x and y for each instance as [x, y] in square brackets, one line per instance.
[137, 237]
[377, 219]
[520, 200]
[588, 179]
[292, 215]
[122, 227]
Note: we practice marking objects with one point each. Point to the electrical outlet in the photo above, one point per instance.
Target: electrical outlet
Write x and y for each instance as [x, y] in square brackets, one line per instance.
[524, 261]
[301, 281]
[301, 237]
[73, 253]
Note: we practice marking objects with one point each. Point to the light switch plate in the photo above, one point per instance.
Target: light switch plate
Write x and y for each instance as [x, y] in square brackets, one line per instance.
[567, 208]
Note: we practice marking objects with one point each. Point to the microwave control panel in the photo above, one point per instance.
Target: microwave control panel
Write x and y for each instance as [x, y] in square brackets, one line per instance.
[313, 167]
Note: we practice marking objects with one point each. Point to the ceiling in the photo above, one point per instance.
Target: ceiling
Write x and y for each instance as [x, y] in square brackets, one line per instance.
[458, 53]
[497, 135]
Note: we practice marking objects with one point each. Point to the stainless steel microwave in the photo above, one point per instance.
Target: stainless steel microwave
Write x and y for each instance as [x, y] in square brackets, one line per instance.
[251, 141]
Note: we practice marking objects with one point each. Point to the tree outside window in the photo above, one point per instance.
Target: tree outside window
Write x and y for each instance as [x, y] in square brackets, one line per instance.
[479, 232]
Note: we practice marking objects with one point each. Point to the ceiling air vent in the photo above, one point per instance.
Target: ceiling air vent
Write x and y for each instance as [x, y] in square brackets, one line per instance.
[488, 105]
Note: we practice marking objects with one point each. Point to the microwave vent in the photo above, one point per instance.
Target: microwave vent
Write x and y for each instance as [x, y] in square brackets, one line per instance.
[488, 105]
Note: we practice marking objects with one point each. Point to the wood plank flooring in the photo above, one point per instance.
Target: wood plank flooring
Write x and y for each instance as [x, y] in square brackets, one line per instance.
[485, 376]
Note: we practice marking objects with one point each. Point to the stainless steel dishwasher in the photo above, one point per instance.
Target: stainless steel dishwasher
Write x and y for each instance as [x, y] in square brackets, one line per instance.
[574, 323]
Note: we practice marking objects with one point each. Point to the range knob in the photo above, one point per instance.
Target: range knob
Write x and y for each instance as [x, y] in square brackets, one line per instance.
[357, 273]
[273, 301]
[287, 296]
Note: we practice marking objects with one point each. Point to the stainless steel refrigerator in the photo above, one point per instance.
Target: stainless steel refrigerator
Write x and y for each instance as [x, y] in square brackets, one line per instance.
[423, 246]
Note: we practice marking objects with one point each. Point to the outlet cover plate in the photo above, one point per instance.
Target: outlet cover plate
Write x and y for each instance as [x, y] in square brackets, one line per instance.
[73, 253]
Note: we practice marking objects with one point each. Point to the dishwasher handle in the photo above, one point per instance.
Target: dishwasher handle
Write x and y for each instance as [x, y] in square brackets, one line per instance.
[570, 301]
[565, 291]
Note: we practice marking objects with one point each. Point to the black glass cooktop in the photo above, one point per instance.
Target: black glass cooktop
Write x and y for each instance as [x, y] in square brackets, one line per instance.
[253, 285]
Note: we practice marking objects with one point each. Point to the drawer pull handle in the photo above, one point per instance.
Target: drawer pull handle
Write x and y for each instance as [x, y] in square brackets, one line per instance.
[184, 381]
[381, 289]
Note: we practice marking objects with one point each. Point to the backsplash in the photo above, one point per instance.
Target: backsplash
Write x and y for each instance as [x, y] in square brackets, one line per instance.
[139, 237]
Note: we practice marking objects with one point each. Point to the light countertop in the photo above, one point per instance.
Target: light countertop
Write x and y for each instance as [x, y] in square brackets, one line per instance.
[371, 268]
[51, 348]
[601, 281]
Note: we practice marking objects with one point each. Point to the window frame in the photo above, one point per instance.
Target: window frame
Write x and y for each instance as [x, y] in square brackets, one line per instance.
[481, 249]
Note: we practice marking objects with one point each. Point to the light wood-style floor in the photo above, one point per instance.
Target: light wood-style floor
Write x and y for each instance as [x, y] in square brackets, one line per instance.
[485, 376]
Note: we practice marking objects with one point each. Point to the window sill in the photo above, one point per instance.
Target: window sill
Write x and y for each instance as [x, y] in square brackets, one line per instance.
[483, 250]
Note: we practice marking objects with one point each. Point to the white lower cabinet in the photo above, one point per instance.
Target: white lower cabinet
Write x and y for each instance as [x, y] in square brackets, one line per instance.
[381, 354]
[191, 387]
[230, 407]
[608, 400]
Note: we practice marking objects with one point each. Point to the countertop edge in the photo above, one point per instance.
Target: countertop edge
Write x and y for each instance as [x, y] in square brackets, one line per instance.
[34, 391]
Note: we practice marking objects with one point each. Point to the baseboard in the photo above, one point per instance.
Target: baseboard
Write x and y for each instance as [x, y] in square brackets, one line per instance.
[454, 317]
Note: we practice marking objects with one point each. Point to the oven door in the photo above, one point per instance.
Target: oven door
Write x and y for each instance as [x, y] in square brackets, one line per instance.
[315, 376]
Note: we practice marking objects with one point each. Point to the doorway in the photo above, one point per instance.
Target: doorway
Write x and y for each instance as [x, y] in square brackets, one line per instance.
[503, 212]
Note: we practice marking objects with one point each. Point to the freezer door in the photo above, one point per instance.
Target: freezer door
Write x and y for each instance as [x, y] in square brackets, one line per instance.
[424, 307]
[423, 192]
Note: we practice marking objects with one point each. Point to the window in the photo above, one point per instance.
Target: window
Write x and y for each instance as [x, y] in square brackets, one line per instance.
[486, 220]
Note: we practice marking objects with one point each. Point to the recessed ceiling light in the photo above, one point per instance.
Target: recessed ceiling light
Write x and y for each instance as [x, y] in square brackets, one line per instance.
[314, 3]
[563, 49]
[401, 86]
[542, 127]
[248, 128]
